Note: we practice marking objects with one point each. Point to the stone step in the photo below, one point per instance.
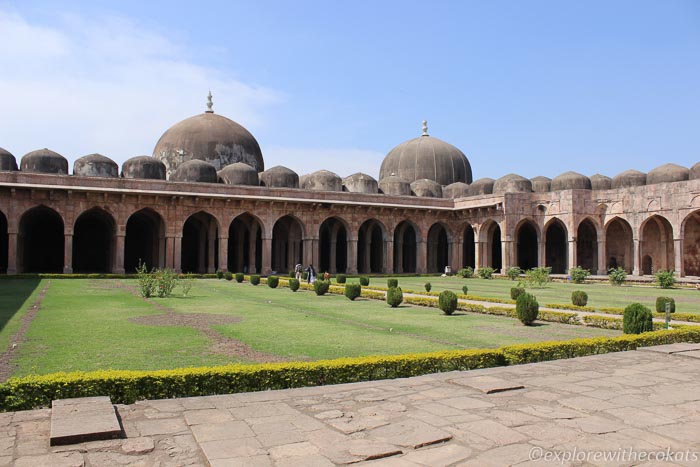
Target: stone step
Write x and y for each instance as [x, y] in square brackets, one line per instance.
[83, 419]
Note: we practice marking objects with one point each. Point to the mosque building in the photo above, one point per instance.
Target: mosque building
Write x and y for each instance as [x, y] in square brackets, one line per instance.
[205, 201]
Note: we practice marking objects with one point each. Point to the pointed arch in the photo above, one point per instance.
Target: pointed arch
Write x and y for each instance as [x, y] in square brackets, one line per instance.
[40, 242]
[287, 244]
[618, 245]
[587, 245]
[333, 245]
[371, 247]
[556, 248]
[468, 247]
[94, 242]
[438, 248]
[527, 238]
[656, 245]
[406, 239]
[245, 244]
[691, 244]
[200, 240]
[491, 251]
[145, 240]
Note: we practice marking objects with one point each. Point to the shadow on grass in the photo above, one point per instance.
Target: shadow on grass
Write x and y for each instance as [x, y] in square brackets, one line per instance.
[13, 293]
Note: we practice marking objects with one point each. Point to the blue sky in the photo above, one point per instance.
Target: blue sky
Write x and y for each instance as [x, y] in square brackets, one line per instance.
[531, 87]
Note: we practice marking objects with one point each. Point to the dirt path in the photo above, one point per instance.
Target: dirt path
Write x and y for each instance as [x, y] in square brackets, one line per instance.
[6, 358]
[203, 323]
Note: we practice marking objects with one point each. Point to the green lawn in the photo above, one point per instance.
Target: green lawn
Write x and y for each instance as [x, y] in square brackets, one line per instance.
[599, 294]
[84, 325]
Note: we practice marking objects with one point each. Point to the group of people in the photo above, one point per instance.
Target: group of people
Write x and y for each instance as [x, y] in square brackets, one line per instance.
[310, 273]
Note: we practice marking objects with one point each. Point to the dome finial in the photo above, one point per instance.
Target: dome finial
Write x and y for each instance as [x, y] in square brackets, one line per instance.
[210, 104]
[425, 128]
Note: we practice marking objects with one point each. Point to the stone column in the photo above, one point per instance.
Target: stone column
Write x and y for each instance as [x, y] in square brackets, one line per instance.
[421, 256]
[636, 271]
[477, 253]
[456, 259]
[310, 255]
[118, 267]
[572, 255]
[541, 254]
[332, 257]
[602, 267]
[12, 252]
[223, 253]
[211, 250]
[388, 266]
[252, 249]
[266, 255]
[68, 253]
[506, 253]
[352, 256]
[679, 267]
[177, 253]
[170, 253]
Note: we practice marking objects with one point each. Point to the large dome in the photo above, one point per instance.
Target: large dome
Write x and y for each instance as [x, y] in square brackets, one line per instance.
[211, 138]
[427, 157]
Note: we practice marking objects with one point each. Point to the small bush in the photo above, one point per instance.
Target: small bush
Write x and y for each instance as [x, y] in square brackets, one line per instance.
[292, 274]
[428, 286]
[273, 282]
[341, 278]
[392, 283]
[228, 276]
[465, 289]
[219, 274]
[637, 319]
[447, 301]
[321, 287]
[254, 279]
[486, 273]
[617, 276]
[665, 279]
[186, 283]
[513, 272]
[304, 275]
[515, 292]
[166, 280]
[293, 285]
[352, 291]
[364, 281]
[579, 275]
[579, 298]
[146, 280]
[538, 277]
[527, 307]
[466, 273]
[661, 304]
[394, 296]
[239, 277]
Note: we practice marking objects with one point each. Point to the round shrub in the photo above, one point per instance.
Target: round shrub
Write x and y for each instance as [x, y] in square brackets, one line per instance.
[428, 286]
[637, 319]
[292, 274]
[293, 285]
[661, 304]
[254, 279]
[228, 276]
[578, 274]
[392, 283]
[273, 282]
[447, 302]
[352, 291]
[513, 272]
[364, 281]
[527, 307]
[486, 273]
[341, 278]
[219, 274]
[465, 289]
[579, 298]
[239, 277]
[665, 279]
[394, 296]
[321, 287]
[466, 272]
[515, 292]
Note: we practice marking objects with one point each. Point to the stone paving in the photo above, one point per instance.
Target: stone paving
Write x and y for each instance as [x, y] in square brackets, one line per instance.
[565, 412]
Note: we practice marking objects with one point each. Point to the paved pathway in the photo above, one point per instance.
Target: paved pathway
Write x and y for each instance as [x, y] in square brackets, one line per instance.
[638, 403]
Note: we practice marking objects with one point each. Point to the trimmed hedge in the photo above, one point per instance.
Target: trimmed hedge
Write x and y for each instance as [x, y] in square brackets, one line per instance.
[579, 298]
[637, 319]
[394, 296]
[321, 287]
[255, 279]
[273, 282]
[352, 291]
[228, 276]
[428, 286]
[527, 308]
[661, 304]
[126, 387]
[364, 281]
[392, 283]
[341, 278]
[239, 277]
[293, 285]
[447, 302]
[515, 292]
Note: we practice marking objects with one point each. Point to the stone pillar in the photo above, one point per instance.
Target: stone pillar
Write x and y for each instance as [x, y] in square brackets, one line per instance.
[310, 255]
[602, 266]
[352, 256]
[366, 258]
[477, 253]
[679, 267]
[252, 249]
[211, 250]
[12, 252]
[421, 256]
[223, 253]
[266, 255]
[456, 259]
[541, 254]
[572, 255]
[388, 266]
[170, 253]
[506, 253]
[68, 253]
[118, 267]
[332, 257]
[177, 252]
[636, 271]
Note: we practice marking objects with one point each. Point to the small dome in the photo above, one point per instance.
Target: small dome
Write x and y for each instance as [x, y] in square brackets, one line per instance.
[667, 173]
[600, 182]
[571, 181]
[7, 161]
[279, 177]
[395, 186]
[145, 167]
[195, 171]
[512, 183]
[483, 186]
[629, 178]
[44, 161]
[239, 174]
[541, 184]
[695, 171]
[95, 165]
[360, 183]
[322, 180]
[427, 157]
[426, 188]
[456, 190]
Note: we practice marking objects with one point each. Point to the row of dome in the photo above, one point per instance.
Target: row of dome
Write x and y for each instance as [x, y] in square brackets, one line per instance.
[146, 167]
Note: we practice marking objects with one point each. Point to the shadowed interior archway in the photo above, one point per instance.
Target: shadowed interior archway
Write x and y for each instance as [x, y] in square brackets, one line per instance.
[145, 240]
[526, 235]
[490, 247]
[333, 235]
[4, 243]
[245, 244]
[200, 239]
[41, 241]
[587, 246]
[93, 242]
[405, 247]
[438, 248]
[370, 247]
[618, 245]
[556, 254]
[469, 248]
[287, 245]
[656, 245]
[691, 244]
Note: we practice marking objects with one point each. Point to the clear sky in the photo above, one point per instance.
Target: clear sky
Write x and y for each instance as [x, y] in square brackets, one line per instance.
[530, 87]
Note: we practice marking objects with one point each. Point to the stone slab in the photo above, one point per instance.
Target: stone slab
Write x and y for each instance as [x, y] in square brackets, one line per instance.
[689, 354]
[489, 384]
[83, 419]
[671, 348]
